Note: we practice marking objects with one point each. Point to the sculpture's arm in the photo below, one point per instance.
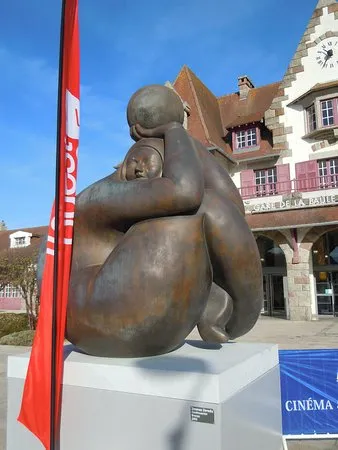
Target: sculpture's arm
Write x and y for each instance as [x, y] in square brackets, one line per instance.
[179, 190]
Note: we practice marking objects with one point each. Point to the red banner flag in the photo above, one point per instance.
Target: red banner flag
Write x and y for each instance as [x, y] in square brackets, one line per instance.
[41, 401]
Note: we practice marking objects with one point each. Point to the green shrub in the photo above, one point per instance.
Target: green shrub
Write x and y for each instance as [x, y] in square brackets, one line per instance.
[12, 322]
[24, 338]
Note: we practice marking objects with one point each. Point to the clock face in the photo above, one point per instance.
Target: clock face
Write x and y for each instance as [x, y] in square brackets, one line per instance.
[327, 53]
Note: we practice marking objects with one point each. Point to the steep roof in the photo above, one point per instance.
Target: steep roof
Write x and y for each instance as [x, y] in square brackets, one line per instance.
[205, 122]
[37, 234]
[235, 111]
[212, 117]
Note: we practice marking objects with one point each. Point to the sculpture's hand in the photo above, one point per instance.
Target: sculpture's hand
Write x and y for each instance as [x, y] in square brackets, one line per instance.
[137, 132]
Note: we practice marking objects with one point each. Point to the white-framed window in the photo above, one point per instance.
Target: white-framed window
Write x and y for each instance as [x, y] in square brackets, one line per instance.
[245, 138]
[260, 176]
[328, 172]
[240, 139]
[252, 137]
[10, 292]
[20, 241]
[266, 180]
[327, 112]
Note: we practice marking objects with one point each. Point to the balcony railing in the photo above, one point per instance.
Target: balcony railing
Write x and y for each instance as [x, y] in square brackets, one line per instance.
[287, 187]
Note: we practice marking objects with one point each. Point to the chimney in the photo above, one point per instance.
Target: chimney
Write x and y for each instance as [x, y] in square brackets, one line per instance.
[244, 86]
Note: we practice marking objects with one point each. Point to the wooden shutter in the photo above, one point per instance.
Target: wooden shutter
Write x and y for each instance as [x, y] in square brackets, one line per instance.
[306, 175]
[283, 178]
[247, 183]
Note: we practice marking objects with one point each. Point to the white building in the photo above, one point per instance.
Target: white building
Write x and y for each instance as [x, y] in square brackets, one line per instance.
[280, 144]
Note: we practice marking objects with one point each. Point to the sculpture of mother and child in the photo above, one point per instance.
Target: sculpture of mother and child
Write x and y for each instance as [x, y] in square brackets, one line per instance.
[161, 245]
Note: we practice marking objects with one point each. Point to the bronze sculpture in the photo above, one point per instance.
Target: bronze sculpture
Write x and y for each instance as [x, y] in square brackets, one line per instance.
[161, 245]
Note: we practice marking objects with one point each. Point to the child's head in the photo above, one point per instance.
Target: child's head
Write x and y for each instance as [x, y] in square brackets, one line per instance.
[144, 160]
[154, 105]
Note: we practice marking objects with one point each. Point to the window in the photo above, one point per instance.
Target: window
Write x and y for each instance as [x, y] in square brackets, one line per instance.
[10, 292]
[328, 173]
[266, 180]
[245, 138]
[20, 241]
[327, 112]
[252, 137]
[322, 171]
[311, 118]
[271, 181]
[240, 139]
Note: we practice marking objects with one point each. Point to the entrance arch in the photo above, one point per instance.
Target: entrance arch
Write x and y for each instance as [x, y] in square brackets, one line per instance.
[325, 270]
[274, 276]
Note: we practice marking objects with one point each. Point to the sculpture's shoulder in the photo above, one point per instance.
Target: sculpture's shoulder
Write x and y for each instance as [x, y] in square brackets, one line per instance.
[98, 187]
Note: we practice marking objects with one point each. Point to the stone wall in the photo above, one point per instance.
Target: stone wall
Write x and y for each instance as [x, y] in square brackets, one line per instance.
[300, 302]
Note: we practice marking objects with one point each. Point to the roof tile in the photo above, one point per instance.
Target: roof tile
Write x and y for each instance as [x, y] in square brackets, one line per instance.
[212, 117]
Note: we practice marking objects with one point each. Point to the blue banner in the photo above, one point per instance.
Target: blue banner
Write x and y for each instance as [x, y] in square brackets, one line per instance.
[309, 389]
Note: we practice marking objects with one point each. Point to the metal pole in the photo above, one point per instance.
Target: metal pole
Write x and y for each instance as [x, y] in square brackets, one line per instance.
[53, 430]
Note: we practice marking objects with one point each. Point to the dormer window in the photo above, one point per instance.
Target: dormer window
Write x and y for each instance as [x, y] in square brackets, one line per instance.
[20, 241]
[246, 138]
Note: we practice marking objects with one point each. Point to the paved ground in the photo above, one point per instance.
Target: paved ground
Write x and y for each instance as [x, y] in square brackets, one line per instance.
[4, 352]
[318, 334]
[322, 333]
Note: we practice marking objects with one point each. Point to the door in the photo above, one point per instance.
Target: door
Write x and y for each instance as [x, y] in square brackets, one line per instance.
[274, 300]
[327, 293]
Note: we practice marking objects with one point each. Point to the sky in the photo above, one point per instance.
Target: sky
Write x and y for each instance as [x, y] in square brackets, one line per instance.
[124, 45]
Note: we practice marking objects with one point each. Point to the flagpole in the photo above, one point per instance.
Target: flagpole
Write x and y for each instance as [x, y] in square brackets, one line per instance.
[53, 430]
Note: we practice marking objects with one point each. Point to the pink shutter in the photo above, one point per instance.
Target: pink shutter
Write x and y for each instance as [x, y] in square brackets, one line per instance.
[247, 183]
[312, 172]
[306, 175]
[283, 178]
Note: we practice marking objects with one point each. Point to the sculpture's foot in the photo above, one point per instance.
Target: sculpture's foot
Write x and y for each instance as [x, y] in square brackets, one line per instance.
[212, 326]
[213, 334]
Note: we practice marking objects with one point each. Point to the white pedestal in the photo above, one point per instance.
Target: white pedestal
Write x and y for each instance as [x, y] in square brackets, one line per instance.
[196, 398]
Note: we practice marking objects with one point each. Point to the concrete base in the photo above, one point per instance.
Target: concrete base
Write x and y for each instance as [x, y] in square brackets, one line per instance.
[222, 398]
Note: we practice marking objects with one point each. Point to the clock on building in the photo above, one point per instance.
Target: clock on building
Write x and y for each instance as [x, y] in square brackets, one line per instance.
[327, 53]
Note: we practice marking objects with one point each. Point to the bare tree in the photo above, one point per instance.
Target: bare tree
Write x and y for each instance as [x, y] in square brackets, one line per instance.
[3, 225]
[18, 269]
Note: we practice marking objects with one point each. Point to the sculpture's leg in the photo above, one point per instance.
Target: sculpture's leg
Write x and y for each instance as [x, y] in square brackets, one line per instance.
[148, 295]
[216, 315]
[235, 260]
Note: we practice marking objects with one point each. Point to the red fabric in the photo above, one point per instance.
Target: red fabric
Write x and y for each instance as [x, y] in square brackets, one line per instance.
[36, 400]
